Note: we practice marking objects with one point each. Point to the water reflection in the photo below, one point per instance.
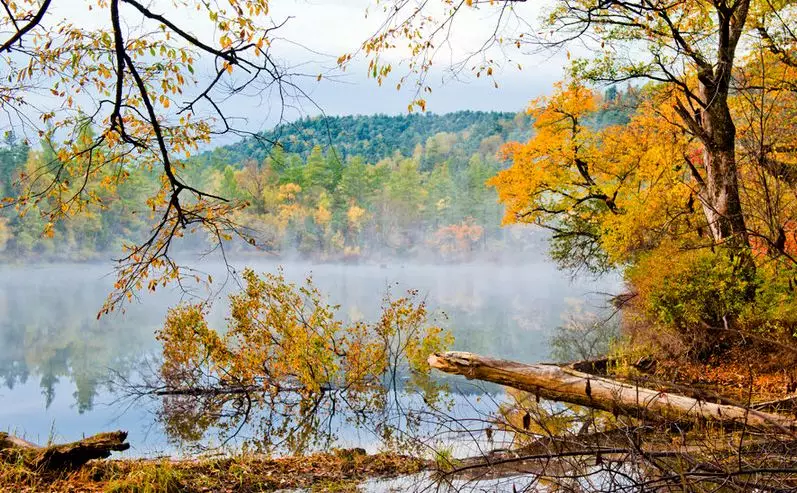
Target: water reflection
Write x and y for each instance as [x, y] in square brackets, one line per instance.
[49, 332]
[50, 339]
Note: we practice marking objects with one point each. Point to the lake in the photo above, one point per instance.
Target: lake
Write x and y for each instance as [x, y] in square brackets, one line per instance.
[57, 360]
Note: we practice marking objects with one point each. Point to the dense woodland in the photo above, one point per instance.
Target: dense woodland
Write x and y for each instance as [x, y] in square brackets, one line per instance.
[326, 202]
[329, 188]
[376, 137]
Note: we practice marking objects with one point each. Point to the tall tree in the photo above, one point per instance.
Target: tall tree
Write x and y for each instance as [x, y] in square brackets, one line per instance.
[354, 182]
[317, 174]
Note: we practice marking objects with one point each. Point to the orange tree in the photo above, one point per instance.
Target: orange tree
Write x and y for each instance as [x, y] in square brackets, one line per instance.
[625, 196]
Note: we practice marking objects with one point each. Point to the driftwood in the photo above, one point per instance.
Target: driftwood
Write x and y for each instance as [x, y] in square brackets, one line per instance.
[569, 385]
[65, 456]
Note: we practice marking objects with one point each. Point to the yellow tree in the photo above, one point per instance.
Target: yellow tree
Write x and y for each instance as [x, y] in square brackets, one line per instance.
[626, 197]
[605, 194]
[289, 356]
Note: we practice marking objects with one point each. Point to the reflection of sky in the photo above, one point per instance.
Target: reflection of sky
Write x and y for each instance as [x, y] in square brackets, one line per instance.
[49, 330]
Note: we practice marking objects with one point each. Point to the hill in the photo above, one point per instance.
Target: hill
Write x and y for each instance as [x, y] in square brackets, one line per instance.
[374, 137]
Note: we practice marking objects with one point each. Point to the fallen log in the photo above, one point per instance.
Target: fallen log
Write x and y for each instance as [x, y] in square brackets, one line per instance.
[786, 404]
[569, 385]
[64, 456]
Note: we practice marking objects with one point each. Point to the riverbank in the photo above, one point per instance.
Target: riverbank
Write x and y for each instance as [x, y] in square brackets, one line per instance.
[341, 470]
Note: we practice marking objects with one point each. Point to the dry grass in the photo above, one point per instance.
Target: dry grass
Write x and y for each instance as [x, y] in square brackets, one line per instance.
[340, 471]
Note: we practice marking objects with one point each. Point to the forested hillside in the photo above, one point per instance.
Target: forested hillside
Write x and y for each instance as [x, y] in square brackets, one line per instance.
[375, 137]
[350, 187]
[399, 185]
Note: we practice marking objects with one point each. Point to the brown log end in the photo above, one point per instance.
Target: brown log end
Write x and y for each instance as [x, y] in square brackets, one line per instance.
[64, 456]
[75, 454]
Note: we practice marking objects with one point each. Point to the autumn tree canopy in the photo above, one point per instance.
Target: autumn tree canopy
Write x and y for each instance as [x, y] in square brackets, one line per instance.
[694, 198]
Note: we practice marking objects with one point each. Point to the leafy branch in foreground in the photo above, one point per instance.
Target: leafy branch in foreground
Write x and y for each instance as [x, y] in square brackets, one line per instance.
[126, 93]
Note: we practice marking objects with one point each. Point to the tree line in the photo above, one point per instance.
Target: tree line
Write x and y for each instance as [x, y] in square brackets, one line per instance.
[422, 193]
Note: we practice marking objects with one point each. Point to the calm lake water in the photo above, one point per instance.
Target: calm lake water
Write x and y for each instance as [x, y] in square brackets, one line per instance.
[56, 358]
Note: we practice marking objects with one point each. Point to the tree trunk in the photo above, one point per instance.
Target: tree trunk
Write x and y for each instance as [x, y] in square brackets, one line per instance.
[713, 124]
[563, 384]
[65, 456]
[720, 192]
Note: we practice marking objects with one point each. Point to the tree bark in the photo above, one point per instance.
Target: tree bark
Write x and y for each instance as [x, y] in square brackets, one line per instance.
[563, 384]
[65, 456]
[720, 193]
[713, 124]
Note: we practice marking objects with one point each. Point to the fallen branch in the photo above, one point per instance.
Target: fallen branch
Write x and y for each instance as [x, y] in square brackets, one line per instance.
[202, 391]
[643, 446]
[786, 404]
[562, 384]
[65, 456]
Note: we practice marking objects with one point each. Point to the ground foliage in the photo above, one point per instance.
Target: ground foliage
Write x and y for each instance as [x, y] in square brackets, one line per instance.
[340, 470]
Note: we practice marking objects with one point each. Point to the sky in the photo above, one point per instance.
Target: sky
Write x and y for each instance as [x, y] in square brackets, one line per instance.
[325, 29]
[336, 27]
[317, 32]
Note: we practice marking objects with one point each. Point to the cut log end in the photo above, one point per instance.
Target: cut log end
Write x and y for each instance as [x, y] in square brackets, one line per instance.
[458, 362]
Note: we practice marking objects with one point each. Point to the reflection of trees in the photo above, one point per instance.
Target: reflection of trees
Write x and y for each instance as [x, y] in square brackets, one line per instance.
[48, 329]
[287, 372]
[13, 368]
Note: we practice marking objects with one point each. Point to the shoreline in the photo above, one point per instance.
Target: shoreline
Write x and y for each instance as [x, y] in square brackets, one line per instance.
[340, 470]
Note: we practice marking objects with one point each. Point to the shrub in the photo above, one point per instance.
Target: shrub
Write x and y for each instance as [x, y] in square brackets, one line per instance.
[696, 293]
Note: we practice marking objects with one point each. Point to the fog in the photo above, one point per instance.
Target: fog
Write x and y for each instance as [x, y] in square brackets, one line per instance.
[56, 357]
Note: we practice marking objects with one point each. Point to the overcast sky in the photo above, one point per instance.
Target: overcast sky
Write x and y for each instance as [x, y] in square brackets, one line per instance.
[317, 32]
[340, 26]
[321, 30]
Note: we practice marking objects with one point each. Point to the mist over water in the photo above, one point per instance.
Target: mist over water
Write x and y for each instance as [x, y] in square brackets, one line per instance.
[57, 358]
